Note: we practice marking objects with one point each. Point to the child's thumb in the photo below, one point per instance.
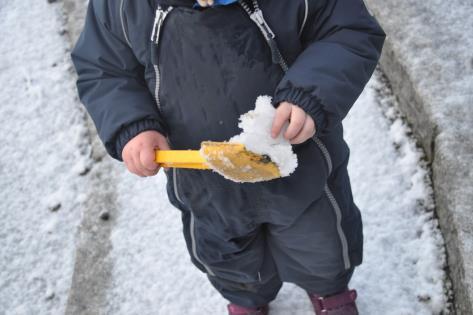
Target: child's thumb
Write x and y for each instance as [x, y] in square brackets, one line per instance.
[148, 159]
[161, 143]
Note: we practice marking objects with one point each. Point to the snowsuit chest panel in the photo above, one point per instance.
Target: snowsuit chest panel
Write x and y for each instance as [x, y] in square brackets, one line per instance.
[195, 48]
[213, 65]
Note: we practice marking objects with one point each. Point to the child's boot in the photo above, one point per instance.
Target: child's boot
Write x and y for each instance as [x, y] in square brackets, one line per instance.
[338, 304]
[234, 309]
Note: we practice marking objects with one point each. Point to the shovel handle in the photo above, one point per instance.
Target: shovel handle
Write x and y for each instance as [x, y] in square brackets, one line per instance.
[181, 159]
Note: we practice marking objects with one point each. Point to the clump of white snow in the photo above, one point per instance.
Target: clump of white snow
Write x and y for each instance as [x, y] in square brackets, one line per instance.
[256, 136]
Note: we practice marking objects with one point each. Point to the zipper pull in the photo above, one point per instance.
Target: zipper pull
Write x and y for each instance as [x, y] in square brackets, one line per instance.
[158, 23]
[157, 17]
[258, 17]
[162, 16]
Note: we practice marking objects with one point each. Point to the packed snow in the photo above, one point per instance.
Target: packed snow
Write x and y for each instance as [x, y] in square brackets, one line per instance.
[404, 253]
[43, 154]
[256, 136]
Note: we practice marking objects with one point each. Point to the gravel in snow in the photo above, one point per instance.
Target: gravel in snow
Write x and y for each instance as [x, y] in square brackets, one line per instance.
[42, 153]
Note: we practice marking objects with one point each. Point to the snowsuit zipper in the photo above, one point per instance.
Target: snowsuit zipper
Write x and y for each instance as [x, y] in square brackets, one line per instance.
[161, 15]
[155, 36]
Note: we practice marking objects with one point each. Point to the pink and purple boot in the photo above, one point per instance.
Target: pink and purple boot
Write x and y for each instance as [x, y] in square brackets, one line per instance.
[234, 309]
[338, 304]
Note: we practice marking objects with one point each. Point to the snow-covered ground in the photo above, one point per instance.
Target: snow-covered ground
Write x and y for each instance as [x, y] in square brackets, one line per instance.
[404, 256]
[43, 151]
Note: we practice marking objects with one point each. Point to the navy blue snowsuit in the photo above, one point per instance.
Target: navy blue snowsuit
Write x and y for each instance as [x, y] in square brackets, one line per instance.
[189, 74]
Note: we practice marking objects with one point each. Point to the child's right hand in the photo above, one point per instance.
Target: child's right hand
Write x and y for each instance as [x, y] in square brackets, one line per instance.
[139, 153]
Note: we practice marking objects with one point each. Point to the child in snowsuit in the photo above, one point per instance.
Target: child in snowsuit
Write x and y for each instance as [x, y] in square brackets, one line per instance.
[155, 74]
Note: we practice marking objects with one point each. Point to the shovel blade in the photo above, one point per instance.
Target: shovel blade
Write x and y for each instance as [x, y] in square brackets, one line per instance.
[235, 162]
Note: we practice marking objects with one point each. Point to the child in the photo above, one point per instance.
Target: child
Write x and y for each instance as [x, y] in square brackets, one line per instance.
[155, 74]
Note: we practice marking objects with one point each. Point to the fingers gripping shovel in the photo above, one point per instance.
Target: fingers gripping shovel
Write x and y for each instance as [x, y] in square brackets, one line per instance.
[231, 160]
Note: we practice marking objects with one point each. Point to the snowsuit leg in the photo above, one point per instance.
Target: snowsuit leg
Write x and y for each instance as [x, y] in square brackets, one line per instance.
[316, 249]
[241, 268]
[253, 294]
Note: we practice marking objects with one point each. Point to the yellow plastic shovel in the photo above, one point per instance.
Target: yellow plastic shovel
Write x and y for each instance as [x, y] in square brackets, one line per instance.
[232, 160]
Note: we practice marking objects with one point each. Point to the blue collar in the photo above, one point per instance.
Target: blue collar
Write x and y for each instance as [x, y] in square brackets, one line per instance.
[219, 2]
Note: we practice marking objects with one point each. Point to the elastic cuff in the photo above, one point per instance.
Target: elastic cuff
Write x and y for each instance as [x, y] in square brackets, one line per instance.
[132, 130]
[305, 99]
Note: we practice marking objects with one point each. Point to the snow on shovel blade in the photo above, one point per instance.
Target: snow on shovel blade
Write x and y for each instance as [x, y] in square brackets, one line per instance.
[234, 162]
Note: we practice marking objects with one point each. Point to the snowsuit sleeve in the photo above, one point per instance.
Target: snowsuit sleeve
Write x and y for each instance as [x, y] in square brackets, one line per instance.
[110, 80]
[342, 43]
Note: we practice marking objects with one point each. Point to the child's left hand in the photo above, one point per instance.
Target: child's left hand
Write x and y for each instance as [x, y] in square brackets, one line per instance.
[301, 126]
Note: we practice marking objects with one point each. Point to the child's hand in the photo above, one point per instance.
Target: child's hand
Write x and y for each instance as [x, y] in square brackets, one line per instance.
[206, 3]
[301, 126]
[139, 153]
